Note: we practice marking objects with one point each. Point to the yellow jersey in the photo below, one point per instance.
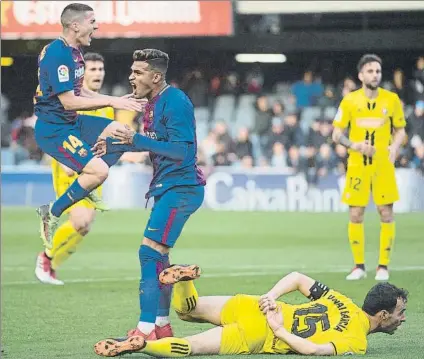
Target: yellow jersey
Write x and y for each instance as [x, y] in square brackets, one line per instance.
[333, 318]
[107, 112]
[370, 119]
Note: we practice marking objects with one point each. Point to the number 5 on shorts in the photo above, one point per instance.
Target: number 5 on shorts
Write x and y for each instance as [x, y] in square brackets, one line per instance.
[73, 144]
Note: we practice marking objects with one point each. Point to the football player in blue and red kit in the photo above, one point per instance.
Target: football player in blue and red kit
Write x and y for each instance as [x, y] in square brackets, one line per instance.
[177, 185]
[60, 131]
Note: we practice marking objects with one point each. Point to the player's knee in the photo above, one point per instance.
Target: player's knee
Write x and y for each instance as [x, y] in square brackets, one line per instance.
[386, 214]
[81, 219]
[356, 214]
[162, 249]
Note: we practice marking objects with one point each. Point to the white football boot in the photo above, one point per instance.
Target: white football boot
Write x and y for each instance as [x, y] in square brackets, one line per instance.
[44, 272]
[382, 274]
[356, 274]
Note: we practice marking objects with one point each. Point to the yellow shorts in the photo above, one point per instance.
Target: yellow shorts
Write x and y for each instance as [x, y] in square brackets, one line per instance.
[61, 182]
[378, 178]
[244, 326]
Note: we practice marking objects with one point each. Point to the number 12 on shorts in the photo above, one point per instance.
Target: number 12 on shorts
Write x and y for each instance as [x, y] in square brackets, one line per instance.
[73, 144]
[354, 183]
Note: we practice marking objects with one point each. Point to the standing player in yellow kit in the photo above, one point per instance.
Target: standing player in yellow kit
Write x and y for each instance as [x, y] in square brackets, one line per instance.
[376, 124]
[82, 213]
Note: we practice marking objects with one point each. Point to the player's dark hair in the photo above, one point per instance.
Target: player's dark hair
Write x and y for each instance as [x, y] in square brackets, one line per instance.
[93, 56]
[366, 59]
[157, 59]
[72, 11]
[383, 296]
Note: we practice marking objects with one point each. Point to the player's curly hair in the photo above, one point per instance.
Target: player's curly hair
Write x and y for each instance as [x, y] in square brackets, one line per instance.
[73, 11]
[157, 59]
[383, 296]
[366, 59]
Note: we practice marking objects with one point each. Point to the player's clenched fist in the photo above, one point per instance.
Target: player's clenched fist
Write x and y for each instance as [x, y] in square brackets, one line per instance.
[267, 303]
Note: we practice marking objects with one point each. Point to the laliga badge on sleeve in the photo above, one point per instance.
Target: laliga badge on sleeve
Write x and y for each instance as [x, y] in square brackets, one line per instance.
[63, 73]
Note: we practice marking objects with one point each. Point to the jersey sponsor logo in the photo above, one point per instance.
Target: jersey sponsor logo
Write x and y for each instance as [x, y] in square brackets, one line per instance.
[151, 135]
[63, 73]
[79, 72]
[370, 122]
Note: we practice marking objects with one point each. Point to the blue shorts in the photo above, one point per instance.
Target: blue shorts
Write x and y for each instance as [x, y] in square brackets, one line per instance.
[171, 211]
[70, 143]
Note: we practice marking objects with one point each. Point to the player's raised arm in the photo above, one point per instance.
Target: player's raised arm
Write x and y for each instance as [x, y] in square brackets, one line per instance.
[300, 345]
[295, 281]
[80, 103]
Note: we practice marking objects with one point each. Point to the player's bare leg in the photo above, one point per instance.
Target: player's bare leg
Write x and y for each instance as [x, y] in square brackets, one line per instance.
[357, 242]
[387, 237]
[186, 302]
[92, 176]
[65, 241]
[206, 343]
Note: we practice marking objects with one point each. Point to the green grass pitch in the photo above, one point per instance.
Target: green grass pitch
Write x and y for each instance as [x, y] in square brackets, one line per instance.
[238, 252]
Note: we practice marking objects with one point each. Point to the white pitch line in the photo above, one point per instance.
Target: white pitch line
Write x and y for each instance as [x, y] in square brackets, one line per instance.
[216, 275]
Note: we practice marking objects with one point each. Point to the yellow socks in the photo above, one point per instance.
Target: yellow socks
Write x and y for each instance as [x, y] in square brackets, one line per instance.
[65, 241]
[357, 242]
[387, 237]
[168, 347]
[184, 298]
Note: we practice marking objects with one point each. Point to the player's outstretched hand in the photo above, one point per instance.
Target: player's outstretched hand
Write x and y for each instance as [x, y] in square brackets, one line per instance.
[267, 303]
[275, 319]
[99, 149]
[123, 135]
[128, 103]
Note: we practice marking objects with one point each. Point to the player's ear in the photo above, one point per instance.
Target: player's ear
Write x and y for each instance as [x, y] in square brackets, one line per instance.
[157, 77]
[384, 315]
[360, 76]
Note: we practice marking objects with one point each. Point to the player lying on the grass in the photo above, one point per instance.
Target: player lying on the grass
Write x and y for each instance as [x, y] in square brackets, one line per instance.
[329, 325]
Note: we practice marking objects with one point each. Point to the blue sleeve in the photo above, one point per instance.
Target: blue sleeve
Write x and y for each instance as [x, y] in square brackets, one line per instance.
[60, 69]
[180, 125]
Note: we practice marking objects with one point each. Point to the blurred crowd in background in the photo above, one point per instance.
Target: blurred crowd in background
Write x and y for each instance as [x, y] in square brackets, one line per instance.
[240, 124]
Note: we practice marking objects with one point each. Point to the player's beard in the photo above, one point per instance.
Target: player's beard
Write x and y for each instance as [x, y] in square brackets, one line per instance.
[372, 87]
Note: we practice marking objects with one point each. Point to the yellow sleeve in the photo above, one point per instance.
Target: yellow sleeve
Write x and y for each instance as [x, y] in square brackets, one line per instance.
[110, 113]
[349, 345]
[398, 115]
[343, 115]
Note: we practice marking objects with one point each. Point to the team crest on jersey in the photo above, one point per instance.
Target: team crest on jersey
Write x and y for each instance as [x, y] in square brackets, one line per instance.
[384, 111]
[63, 73]
[83, 152]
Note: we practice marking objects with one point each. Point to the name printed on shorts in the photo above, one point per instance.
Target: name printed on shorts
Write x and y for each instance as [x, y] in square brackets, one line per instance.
[344, 313]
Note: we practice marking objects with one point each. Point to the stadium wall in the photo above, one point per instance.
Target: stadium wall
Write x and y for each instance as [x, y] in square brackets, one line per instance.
[227, 189]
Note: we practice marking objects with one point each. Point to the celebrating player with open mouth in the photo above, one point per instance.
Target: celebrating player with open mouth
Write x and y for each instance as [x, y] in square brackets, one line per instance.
[177, 185]
[60, 131]
[376, 125]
